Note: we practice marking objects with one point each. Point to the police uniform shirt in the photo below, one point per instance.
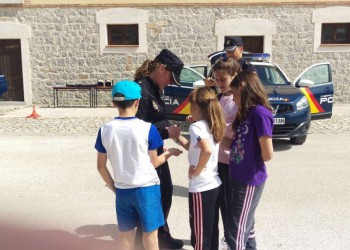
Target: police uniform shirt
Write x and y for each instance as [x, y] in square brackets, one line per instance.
[246, 65]
[152, 107]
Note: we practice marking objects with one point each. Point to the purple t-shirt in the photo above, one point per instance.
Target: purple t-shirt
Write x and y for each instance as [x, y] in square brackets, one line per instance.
[246, 164]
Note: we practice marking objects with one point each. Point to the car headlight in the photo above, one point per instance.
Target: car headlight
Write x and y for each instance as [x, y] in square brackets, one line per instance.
[302, 103]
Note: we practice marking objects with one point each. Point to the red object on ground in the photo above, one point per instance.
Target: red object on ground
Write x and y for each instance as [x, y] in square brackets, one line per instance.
[34, 114]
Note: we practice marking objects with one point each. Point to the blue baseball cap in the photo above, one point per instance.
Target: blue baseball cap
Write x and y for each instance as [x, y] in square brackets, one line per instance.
[232, 42]
[128, 90]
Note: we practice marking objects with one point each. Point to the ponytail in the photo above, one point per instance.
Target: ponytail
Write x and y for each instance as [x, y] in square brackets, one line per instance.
[145, 69]
[142, 70]
[211, 110]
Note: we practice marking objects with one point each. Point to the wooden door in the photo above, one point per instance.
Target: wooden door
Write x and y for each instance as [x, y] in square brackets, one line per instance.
[11, 66]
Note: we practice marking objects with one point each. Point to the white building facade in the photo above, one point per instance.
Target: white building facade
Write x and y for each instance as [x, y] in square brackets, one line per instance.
[69, 44]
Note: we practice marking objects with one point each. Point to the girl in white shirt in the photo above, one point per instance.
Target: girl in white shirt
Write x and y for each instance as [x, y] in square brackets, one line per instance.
[203, 147]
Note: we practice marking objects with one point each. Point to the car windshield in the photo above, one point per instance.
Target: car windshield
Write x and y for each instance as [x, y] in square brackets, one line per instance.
[270, 75]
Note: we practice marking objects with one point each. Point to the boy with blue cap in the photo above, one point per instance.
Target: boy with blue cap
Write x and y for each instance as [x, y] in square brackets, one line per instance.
[130, 145]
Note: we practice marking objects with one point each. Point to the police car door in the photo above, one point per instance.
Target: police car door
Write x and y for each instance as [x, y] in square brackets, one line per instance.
[320, 95]
[176, 97]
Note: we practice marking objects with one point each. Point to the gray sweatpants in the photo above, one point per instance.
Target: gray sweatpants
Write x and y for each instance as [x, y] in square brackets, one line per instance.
[242, 202]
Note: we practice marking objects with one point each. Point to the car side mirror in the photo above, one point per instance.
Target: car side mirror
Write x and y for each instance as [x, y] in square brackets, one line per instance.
[305, 83]
[198, 84]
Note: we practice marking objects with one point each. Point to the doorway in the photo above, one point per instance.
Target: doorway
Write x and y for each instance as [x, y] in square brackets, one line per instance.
[11, 66]
[253, 44]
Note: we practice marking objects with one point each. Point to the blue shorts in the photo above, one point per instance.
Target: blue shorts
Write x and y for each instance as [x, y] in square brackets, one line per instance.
[137, 206]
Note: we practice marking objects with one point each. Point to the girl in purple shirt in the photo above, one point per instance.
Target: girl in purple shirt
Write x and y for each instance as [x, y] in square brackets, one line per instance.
[250, 148]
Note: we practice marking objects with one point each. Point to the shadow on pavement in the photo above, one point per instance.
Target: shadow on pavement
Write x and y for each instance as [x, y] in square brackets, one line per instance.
[187, 243]
[180, 191]
[281, 145]
[97, 231]
[14, 237]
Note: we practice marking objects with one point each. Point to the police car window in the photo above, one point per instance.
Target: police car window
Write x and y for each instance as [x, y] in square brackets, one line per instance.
[319, 74]
[200, 69]
[188, 77]
[270, 75]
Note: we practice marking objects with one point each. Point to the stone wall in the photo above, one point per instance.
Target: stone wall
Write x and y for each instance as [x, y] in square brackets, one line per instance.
[64, 46]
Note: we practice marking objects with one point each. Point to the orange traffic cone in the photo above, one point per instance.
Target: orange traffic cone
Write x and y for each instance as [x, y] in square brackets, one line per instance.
[34, 114]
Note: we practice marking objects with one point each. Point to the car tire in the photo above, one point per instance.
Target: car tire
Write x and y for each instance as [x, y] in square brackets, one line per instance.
[298, 140]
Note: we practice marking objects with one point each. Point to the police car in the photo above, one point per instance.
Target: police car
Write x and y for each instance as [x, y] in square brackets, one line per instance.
[309, 96]
[3, 84]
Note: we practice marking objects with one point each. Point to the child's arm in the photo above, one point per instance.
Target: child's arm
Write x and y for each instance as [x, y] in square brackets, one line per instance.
[102, 169]
[226, 142]
[266, 147]
[159, 160]
[203, 158]
[181, 140]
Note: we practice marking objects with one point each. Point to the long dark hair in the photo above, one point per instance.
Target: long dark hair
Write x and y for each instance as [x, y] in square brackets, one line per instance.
[252, 93]
[210, 108]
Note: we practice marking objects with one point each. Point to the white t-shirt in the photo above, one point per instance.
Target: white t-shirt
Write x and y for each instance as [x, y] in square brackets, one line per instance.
[126, 142]
[209, 177]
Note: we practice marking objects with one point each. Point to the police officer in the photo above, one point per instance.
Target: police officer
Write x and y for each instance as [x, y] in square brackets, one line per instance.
[153, 77]
[233, 46]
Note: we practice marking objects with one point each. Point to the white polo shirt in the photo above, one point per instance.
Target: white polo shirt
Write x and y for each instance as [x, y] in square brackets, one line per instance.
[209, 177]
[126, 142]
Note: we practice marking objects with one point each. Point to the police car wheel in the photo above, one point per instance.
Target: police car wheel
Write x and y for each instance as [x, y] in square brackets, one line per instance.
[298, 140]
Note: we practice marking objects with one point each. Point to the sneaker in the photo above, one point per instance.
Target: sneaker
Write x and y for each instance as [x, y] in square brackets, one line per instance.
[170, 243]
[222, 244]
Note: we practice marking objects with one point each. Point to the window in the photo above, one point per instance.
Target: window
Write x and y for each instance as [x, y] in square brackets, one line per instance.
[335, 33]
[253, 44]
[256, 33]
[332, 29]
[319, 74]
[123, 34]
[270, 75]
[189, 76]
[122, 30]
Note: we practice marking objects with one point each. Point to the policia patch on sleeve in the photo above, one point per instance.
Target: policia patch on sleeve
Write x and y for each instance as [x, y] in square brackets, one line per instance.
[155, 106]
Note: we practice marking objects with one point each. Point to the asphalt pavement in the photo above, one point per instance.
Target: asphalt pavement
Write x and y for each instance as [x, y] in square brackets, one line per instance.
[49, 183]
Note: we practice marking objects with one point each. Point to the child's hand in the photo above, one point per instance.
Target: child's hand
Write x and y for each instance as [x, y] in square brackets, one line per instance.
[194, 171]
[189, 171]
[175, 151]
[189, 119]
[174, 131]
[209, 82]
